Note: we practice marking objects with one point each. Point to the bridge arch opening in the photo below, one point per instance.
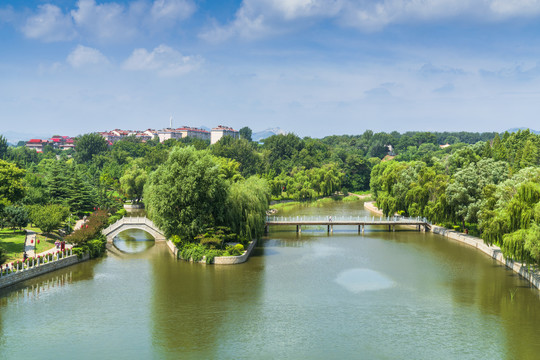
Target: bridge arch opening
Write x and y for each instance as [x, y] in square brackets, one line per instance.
[133, 241]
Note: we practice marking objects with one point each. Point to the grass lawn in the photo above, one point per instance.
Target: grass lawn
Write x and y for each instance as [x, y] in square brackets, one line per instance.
[13, 243]
[46, 241]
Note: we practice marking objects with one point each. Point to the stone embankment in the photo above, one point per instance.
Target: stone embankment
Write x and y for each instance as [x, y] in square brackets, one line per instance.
[232, 260]
[221, 260]
[492, 251]
[37, 270]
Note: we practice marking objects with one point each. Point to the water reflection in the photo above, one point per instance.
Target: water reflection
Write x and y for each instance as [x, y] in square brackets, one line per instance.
[298, 297]
[133, 241]
[359, 280]
[207, 304]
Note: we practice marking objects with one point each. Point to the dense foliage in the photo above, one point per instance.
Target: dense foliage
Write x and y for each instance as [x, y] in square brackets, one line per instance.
[492, 188]
[485, 182]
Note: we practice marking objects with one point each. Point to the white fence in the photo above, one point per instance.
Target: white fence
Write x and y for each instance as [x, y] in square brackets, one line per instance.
[18, 266]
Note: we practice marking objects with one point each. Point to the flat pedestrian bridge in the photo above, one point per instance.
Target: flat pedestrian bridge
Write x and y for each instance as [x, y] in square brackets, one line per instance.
[331, 221]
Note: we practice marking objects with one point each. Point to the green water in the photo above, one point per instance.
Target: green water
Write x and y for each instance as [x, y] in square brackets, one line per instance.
[381, 295]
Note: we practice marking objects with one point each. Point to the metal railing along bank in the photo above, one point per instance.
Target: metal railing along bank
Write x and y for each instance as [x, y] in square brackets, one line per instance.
[356, 219]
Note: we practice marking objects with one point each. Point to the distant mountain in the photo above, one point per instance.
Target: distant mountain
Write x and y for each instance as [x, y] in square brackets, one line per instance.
[513, 130]
[258, 136]
[204, 128]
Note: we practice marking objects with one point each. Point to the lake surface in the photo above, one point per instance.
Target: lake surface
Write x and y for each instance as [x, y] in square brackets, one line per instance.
[381, 295]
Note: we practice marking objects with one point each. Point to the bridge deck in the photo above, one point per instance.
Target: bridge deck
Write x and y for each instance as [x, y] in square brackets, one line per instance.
[344, 222]
[127, 222]
[330, 222]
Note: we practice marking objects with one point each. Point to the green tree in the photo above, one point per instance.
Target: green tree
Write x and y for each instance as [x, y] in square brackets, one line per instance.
[49, 217]
[132, 183]
[464, 193]
[240, 150]
[80, 196]
[186, 194]
[88, 145]
[16, 216]
[12, 186]
[247, 203]
[58, 183]
[3, 147]
[281, 151]
[245, 133]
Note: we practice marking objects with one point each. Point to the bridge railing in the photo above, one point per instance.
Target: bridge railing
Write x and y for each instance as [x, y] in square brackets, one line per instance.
[137, 220]
[320, 218]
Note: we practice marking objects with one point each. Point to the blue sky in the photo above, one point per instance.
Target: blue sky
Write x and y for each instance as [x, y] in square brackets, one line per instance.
[312, 67]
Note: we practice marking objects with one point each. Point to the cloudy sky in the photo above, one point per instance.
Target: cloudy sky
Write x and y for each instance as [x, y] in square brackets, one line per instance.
[313, 67]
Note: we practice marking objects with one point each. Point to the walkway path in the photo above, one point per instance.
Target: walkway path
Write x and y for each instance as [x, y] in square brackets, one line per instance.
[30, 245]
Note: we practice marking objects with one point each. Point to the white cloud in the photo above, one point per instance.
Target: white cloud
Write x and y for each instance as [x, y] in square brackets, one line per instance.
[49, 24]
[164, 60]
[171, 10]
[256, 18]
[507, 8]
[83, 56]
[105, 21]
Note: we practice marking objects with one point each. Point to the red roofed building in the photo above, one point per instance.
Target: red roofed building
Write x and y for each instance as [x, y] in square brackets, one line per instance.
[36, 144]
[68, 143]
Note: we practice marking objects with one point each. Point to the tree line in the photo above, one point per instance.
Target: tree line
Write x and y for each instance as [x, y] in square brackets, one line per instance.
[490, 188]
[64, 184]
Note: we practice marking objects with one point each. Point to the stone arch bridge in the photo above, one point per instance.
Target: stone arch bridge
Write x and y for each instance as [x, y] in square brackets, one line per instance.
[125, 223]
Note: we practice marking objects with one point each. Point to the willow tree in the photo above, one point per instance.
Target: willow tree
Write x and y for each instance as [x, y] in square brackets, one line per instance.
[247, 203]
[132, 182]
[186, 194]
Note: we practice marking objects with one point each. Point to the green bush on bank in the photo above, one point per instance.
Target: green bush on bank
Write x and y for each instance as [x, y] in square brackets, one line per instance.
[117, 216]
[89, 239]
[210, 244]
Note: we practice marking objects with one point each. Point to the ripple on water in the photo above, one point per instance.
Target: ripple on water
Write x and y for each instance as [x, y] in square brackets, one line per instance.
[359, 280]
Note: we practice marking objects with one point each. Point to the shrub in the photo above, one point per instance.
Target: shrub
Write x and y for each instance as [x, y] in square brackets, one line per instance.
[96, 222]
[79, 252]
[213, 242]
[239, 248]
[3, 256]
[211, 254]
[177, 241]
[193, 251]
[96, 247]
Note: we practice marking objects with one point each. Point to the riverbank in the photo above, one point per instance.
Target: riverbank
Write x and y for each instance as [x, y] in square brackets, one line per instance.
[491, 250]
[15, 277]
[284, 204]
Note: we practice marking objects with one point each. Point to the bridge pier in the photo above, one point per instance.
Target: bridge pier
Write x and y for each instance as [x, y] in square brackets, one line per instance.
[299, 228]
[394, 228]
